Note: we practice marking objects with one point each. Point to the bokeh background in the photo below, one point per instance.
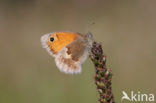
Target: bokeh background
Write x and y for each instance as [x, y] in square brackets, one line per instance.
[126, 29]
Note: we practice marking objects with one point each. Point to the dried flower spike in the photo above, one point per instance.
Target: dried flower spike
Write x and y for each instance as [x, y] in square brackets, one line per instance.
[103, 75]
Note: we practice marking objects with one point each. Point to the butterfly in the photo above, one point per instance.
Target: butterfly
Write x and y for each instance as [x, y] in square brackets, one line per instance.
[69, 49]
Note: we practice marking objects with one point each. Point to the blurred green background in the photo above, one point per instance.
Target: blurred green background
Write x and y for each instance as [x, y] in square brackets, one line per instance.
[126, 29]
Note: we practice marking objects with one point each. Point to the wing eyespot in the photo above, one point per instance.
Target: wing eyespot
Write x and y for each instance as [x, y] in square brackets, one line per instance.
[52, 39]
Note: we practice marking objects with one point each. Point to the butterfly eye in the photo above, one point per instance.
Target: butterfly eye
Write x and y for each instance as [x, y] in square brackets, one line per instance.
[52, 39]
